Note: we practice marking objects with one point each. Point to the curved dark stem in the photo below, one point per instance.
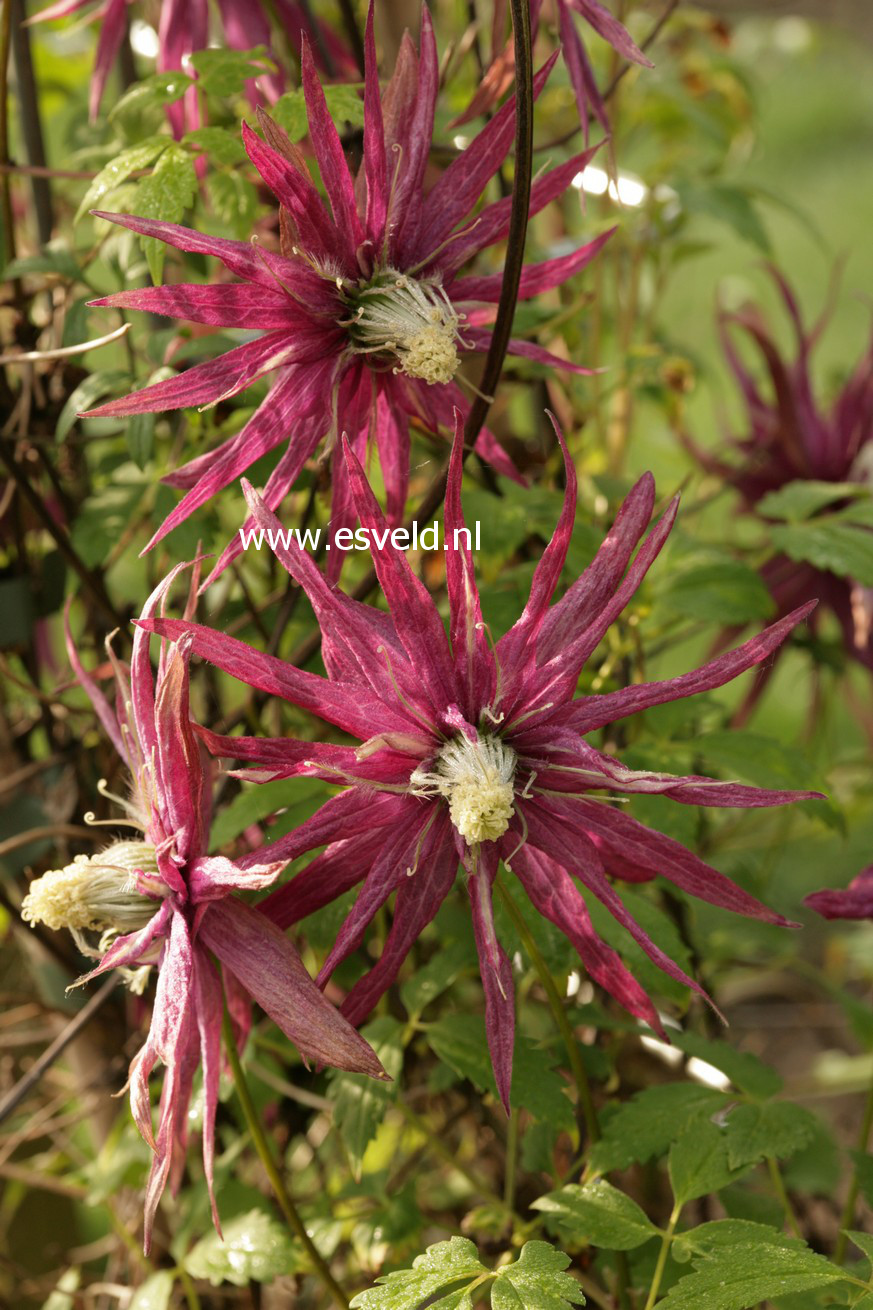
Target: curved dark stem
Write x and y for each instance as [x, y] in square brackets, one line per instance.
[318, 38]
[5, 185]
[353, 32]
[31, 123]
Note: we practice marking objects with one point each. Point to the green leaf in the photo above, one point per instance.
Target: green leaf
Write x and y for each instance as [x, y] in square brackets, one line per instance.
[863, 1241]
[863, 1163]
[454, 1261]
[142, 155]
[647, 1125]
[745, 1070]
[289, 111]
[140, 437]
[754, 758]
[255, 1248]
[258, 802]
[165, 194]
[745, 1273]
[722, 1234]
[152, 92]
[774, 1131]
[432, 979]
[729, 205]
[233, 199]
[599, 1214]
[222, 72]
[154, 1293]
[832, 544]
[801, 499]
[698, 1162]
[359, 1102]
[536, 1281]
[719, 591]
[344, 105]
[56, 257]
[220, 145]
[86, 395]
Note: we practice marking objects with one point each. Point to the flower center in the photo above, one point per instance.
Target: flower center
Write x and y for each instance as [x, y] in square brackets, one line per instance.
[98, 893]
[412, 321]
[476, 778]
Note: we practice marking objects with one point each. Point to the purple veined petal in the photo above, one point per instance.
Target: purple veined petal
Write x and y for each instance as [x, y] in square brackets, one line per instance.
[520, 640]
[220, 304]
[556, 680]
[112, 31]
[131, 950]
[492, 223]
[607, 26]
[332, 164]
[180, 776]
[547, 828]
[581, 74]
[61, 9]
[415, 616]
[463, 182]
[355, 712]
[555, 896]
[101, 705]
[207, 383]
[435, 407]
[240, 257]
[184, 28]
[397, 856]
[417, 901]
[650, 849]
[407, 207]
[375, 162]
[294, 189]
[496, 972]
[283, 757]
[265, 962]
[852, 902]
[591, 712]
[585, 599]
[297, 20]
[208, 1006]
[344, 816]
[390, 426]
[535, 278]
[480, 339]
[474, 663]
[271, 423]
[210, 877]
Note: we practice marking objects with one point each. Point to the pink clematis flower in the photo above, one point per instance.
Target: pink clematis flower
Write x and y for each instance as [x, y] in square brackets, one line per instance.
[790, 437]
[479, 755]
[184, 28]
[852, 902]
[364, 317]
[162, 901]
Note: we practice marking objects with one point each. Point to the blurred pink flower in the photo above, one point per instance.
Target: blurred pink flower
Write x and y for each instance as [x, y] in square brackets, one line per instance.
[853, 902]
[162, 900]
[477, 754]
[364, 314]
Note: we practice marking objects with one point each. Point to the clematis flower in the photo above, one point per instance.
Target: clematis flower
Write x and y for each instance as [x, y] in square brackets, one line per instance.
[852, 902]
[478, 755]
[364, 316]
[184, 28]
[500, 74]
[161, 901]
[790, 436]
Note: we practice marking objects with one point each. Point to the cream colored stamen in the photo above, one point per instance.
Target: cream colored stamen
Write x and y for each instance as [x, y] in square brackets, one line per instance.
[96, 893]
[476, 778]
[411, 320]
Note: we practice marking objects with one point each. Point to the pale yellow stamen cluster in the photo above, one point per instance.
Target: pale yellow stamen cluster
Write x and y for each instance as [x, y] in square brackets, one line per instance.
[477, 780]
[96, 893]
[413, 321]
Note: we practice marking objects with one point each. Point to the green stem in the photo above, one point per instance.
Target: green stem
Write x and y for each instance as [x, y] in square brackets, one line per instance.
[580, 1077]
[189, 1289]
[662, 1258]
[848, 1214]
[779, 1188]
[8, 220]
[262, 1146]
[511, 1159]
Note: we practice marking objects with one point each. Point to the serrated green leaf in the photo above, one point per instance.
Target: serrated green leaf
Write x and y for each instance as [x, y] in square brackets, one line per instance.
[154, 1293]
[719, 591]
[698, 1162]
[258, 802]
[359, 1102]
[831, 544]
[754, 758]
[536, 1281]
[289, 111]
[745, 1070]
[140, 437]
[647, 1125]
[771, 1131]
[223, 72]
[219, 144]
[165, 194]
[55, 257]
[722, 1234]
[863, 1241]
[233, 199]
[255, 1249]
[152, 92]
[432, 979]
[801, 499]
[86, 395]
[745, 1273]
[863, 1163]
[344, 105]
[599, 1214]
[454, 1261]
[142, 155]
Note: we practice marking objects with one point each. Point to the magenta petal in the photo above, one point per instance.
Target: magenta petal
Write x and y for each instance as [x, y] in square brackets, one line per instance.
[474, 663]
[496, 972]
[535, 278]
[331, 159]
[223, 304]
[853, 902]
[607, 26]
[375, 161]
[269, 968]
[208, 1003]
